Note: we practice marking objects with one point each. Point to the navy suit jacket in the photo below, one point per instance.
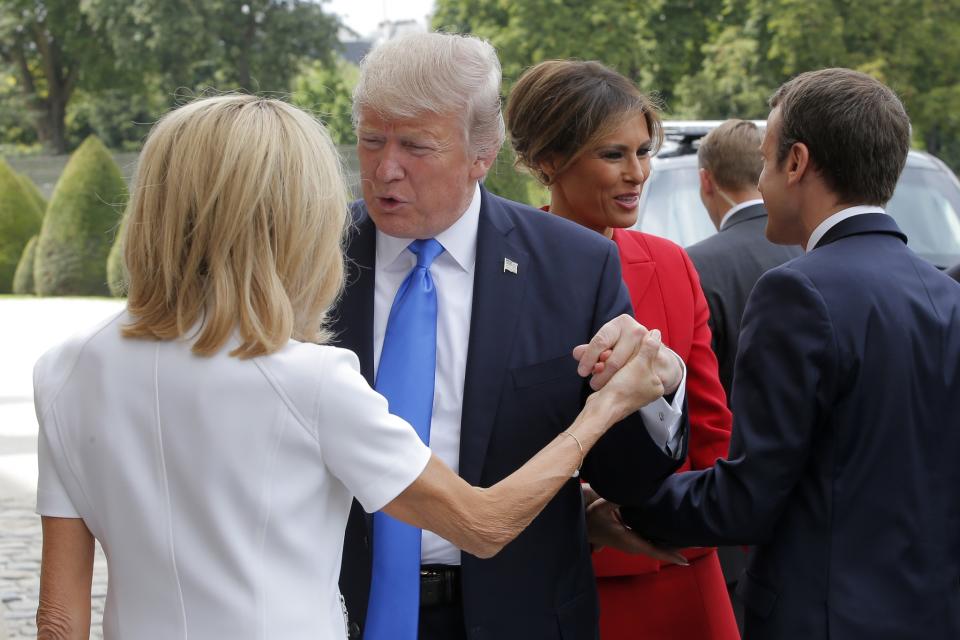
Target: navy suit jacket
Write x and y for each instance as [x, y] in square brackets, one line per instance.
[521, 389]
[843, 465]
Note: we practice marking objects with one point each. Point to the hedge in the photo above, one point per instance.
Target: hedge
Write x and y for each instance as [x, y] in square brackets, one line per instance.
[80, 224]
[19, 221]
[23, 283]
[34, 193]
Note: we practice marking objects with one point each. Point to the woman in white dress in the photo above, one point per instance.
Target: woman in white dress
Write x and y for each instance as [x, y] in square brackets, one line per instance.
[206, 437]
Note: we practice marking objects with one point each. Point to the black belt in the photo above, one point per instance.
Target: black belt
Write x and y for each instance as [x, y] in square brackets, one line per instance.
[439, 584]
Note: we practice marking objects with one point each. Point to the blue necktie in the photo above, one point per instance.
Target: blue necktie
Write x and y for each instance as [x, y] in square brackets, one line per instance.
[405, 376]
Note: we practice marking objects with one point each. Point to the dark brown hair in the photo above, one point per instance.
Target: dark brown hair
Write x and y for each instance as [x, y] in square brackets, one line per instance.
[559, 107]
[854, 126]
[731, 153]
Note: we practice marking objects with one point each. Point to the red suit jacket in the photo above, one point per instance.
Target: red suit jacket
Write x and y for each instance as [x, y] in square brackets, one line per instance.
[639, 598]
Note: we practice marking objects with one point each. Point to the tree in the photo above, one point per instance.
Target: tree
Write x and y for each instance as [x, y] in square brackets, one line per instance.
[251, 45]
[328, 92]
[80, 224]
[19, 220]
[504, 179]
[730, 83]
[51, 49]
[149, 49]
[529, 32]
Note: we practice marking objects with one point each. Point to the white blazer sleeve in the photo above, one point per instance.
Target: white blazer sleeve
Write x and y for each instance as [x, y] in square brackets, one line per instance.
[376, 455]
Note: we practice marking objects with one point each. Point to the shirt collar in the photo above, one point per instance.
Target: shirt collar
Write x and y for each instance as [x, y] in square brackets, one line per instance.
[459, 240]
[736, 208]
[836, 219]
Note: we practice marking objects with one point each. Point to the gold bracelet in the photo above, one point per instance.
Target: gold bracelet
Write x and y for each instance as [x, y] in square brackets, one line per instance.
[576, 472]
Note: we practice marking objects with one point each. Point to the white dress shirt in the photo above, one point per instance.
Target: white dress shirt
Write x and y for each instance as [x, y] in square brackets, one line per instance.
[738, 207]
[836, 219]
[453, 273]
[218, 487]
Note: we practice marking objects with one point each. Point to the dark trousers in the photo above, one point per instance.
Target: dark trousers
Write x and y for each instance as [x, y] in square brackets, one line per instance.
[442, 622]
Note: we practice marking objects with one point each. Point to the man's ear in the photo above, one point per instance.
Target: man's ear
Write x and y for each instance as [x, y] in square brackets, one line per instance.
[798, 163]
[482, 163]
[706, 182]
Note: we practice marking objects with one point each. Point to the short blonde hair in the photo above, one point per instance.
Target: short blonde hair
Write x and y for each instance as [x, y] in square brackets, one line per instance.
[436, 73]
[731, 153]
[237, 220]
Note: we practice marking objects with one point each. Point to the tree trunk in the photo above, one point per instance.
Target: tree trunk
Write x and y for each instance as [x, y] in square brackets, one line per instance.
[49, 113]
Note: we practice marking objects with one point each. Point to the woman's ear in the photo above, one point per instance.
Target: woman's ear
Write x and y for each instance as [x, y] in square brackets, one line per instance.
[548, 170]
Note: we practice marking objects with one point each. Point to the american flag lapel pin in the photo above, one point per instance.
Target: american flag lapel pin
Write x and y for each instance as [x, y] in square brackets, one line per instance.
[510, 265]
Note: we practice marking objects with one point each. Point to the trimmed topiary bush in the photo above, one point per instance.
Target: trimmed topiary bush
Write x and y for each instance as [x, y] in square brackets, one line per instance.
[23, 277]
[80, 224]
[116, 270]
[33, 193]
[19, 221]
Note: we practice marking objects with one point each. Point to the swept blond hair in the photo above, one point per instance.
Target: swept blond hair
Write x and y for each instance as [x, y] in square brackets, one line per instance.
[237, 220]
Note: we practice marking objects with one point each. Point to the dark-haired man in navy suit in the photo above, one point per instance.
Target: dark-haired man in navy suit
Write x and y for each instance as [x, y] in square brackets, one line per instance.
[516, 290]
[846, 394]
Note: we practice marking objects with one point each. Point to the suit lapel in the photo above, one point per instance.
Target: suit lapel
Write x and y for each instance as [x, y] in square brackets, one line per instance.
[497, 298]
[639, 270]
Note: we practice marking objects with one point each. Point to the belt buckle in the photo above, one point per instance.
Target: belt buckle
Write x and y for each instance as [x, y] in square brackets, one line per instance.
[438, 585]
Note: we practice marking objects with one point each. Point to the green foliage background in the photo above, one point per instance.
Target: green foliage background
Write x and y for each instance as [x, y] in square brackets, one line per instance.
[70, 69]
[33, 193]
[23, 283]
[116, 269]
[19, 220]
[715, 59]
[80, 224]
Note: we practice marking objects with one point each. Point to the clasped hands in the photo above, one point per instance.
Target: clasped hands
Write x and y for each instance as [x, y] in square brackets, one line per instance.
[613, 347]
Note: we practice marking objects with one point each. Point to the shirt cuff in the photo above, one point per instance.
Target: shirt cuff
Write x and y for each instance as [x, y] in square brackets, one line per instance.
[662, 419]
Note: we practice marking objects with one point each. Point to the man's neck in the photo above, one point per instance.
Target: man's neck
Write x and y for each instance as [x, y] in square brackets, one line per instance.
[736, 200]
[814, 216]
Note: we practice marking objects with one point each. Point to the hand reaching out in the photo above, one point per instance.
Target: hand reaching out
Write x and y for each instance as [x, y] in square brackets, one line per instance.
[606, 529]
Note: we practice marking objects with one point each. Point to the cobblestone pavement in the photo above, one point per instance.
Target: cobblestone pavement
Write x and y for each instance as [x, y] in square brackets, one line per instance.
[20, 545]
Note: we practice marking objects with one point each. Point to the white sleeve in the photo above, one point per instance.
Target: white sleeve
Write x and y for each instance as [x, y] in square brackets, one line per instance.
[662, 419]
[52, 496]
[376, 455]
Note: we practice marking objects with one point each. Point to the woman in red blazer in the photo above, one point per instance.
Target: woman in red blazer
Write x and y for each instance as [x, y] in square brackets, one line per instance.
[587, 133]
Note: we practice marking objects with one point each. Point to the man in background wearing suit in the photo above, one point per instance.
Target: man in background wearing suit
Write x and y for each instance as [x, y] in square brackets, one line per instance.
[512, 291]
[730, 262]
[846, 395]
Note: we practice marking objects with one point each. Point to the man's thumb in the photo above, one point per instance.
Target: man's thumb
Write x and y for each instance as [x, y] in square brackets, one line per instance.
[650, 345]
